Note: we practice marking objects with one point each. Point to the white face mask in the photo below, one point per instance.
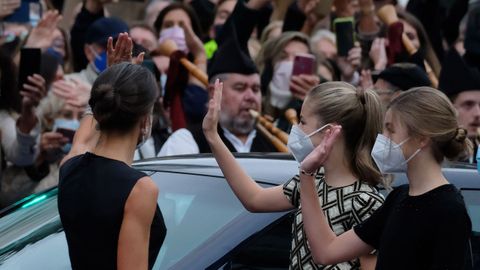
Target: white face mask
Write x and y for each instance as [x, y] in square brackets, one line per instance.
[389, 156]
[280, 85]
[300, 144]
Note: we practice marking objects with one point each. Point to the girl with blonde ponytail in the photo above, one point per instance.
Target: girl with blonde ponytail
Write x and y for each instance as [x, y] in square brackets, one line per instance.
[423, 225]
[345, 185]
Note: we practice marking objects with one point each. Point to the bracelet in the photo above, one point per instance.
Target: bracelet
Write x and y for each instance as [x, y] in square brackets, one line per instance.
[302, 171]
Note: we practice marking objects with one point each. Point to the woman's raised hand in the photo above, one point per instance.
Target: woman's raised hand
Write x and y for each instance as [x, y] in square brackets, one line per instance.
[210, 121]
[122, 51]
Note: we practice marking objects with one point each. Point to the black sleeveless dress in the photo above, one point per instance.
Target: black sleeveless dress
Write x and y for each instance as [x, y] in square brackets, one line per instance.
[92, 193]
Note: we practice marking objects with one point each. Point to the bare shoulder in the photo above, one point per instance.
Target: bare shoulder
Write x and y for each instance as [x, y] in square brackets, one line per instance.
[143, 194]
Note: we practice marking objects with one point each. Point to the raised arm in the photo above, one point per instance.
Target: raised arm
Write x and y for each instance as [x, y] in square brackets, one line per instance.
[253, 197]
[87, 135]
[327, 248]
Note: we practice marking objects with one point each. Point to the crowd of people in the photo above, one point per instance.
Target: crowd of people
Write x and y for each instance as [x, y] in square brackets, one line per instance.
[198, 71]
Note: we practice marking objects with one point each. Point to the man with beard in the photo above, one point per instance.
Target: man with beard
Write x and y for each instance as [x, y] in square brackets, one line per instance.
[241, 92]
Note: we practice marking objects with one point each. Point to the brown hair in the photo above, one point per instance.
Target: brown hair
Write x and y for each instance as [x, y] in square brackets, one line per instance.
[428, 112]
[360, 115]
[425, 43]
[272, 50]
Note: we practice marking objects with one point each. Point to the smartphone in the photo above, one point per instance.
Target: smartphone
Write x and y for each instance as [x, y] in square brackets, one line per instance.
[323, 8]
[344, 31]
[67, 133]
[30, 11]
[304, 63]
[30, 62]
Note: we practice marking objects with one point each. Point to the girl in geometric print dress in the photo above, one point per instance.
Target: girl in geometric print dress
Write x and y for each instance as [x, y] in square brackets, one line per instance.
[345, 186]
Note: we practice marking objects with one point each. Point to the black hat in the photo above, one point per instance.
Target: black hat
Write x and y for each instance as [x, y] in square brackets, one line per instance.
[456, 76]
[405, 76]
[103, 28]
[231, 56]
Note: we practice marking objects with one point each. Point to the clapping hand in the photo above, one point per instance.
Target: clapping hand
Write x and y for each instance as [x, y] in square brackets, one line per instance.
[378, 53]
[75, 92]
[348, 65]
[43, 34]
[7, 7]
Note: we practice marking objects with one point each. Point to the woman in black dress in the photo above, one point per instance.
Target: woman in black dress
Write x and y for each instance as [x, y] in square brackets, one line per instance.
[109, 210]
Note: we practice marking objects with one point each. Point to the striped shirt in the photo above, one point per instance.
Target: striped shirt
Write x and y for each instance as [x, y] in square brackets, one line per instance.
[344, 207]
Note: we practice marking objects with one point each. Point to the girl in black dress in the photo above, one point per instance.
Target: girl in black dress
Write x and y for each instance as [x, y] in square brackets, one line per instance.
[109, 210]
[423, 225]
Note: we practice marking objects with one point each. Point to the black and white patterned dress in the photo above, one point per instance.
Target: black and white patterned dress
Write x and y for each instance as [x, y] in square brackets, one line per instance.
[344, 207]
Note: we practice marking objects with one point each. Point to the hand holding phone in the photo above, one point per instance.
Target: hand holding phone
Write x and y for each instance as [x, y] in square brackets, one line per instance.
[67, 133]
[304, 63]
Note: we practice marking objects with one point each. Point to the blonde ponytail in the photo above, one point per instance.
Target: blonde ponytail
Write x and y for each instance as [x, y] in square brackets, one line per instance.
[360, 115]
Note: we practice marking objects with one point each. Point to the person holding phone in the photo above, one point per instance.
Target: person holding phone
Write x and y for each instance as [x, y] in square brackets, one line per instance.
[19, 126]
[410, 230]
[347, 181]
[287, 70]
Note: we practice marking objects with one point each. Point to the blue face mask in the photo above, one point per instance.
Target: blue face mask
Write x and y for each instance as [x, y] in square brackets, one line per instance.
[55, 54]
[478, 160]
[100, 62]
[67, 127]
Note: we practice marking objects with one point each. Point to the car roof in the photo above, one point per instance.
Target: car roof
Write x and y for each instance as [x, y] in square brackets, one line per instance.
[277, 168]
[268, 172]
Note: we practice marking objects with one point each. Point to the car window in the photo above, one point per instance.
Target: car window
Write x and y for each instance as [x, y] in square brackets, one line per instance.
[472, 201]
[269, 249]
[194, 209]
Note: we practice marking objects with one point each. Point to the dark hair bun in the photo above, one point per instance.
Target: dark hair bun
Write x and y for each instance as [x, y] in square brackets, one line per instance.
[104, 103]
[121, 95]
[459, 147]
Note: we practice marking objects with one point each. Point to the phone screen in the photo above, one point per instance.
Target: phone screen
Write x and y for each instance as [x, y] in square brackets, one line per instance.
[68, 133]
[304, 64]
[345, 35]
[30, 59]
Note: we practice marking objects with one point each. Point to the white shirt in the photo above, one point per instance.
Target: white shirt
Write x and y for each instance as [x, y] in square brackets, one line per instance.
[181, 142]
[147, 150]
[19, 148]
